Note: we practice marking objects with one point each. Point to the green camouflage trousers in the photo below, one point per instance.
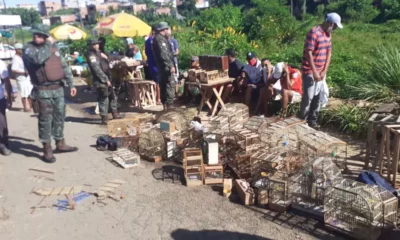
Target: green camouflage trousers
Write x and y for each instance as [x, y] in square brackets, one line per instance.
[167, 87]
[106, 99]
[51, 118]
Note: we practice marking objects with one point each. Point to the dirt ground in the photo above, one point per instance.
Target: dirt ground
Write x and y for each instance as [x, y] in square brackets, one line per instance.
[152, 209]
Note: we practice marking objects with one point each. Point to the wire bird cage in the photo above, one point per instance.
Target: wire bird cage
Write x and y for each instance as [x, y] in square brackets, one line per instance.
[307, 187]
[219, 125]
[278, 192]
[188, 114]
[254, 123]
[151, 143]
[358, 210]
[237, 114]
[314, 144]
[248, 140]
[276, 136]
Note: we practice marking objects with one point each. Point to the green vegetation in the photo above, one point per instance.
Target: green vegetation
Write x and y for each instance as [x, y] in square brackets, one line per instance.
[365, 62]
[28, 16]
[66, 11]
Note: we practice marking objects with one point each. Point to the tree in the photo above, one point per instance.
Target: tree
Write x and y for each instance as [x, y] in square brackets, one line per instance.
[188, 8]
[28, 16]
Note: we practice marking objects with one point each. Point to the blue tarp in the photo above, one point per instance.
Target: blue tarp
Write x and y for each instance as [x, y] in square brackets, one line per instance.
[373, 178]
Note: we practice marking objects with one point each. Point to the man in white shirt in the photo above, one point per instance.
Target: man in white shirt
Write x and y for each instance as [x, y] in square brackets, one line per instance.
[4, 148]
[23, 80]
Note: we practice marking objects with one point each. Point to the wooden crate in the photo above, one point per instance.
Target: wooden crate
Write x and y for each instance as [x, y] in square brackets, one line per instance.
[248, 140]
[123, 127]
[373, 139]
[193, 166]
[245, 192]
[242, 165]
[209, 76]
[194, 75]
[126, 158]
[213, 174]
[389, 153]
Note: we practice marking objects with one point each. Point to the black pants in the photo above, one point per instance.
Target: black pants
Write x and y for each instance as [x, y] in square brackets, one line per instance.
[3, 124]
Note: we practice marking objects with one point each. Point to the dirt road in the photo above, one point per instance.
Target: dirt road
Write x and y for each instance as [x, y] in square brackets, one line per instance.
[152, 209]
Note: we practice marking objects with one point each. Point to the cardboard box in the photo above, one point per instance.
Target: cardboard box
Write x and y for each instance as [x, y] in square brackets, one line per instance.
[245, 192]
[168, 126]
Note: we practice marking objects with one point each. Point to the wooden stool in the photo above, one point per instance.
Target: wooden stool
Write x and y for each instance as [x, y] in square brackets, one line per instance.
[142, 93]
[390, 146]
[374, 127]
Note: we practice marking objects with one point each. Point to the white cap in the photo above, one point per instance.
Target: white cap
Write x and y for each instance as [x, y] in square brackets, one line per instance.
[18, 46]
[278, 70]
[334, 18]
[129, 41]
[76, 53]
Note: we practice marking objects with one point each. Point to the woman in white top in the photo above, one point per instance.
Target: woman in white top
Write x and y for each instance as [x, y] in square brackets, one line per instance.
[23, 80]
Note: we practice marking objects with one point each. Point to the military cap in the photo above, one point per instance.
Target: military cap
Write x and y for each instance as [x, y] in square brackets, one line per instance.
[162, 25]
[154, 27]
[93, 41]
[40, 29]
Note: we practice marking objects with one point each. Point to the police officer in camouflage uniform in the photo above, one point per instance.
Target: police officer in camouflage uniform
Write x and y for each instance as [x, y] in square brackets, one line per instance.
[98, 64]
[165, 64]
[49, 73]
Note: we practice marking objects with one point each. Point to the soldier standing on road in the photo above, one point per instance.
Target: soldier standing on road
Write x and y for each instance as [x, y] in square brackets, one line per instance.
[49, 73]
[101, 80]
[165, 64]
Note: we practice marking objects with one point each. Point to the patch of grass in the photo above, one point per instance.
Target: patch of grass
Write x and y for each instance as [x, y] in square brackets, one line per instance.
[366, 91]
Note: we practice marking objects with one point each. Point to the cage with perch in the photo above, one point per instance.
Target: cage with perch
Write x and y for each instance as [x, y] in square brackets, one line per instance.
[307, 186]
[181, 128]
[359, 210]
[151, 144]
[315, 144]
[278, 135]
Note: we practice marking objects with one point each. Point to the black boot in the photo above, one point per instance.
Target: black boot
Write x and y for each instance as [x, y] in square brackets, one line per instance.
[61, 147]
[116, 115]
[48, 156]
[104, 119]
[5, 151]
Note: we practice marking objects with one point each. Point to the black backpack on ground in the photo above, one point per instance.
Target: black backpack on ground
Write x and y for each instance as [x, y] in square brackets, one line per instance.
[106, 142]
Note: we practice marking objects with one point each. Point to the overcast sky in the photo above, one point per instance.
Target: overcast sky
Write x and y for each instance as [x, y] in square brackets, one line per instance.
[15, 2]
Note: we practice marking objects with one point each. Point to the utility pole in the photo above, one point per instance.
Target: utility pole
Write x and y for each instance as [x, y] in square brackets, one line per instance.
[79, 14]
[5, 6]
[291, 7]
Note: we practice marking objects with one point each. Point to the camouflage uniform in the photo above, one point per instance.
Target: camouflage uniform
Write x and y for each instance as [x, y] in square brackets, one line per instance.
[49, 96]
[165, 61]
[49, 73]
[105, 95]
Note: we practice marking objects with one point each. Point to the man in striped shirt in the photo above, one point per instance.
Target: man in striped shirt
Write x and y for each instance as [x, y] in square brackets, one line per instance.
[316, 60]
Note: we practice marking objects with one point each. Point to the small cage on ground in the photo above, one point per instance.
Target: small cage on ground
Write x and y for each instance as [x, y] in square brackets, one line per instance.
[193, 166]
[151, 143]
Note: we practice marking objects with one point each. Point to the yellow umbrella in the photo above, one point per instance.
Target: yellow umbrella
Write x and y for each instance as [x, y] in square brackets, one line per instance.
[66, 31]
[123, 25]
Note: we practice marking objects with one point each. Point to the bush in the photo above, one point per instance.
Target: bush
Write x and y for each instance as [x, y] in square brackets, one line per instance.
[215, 19]
[386, 68]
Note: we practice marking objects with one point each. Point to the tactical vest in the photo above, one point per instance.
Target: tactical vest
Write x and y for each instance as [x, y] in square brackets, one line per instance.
[50, 72]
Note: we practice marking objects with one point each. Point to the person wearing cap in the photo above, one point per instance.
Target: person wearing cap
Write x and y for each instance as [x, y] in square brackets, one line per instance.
[151, 62]
[316, 60]
[285, 81]
[49, 73]
[102, 81]
[164, 60]
[252, 78]
[132, 50]
[23, 80]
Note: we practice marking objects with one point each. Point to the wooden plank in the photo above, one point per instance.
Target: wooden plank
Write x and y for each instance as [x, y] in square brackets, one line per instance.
[42, 170]
[395, 160]
[70, 202]
[385, 133]
[386, 108]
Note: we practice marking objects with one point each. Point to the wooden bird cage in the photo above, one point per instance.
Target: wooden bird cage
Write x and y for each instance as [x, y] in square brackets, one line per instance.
[307, 187]
[219, 125]
[254, 123]
[280, 135]
[123, 127]
[193, 166]
[151, 143]
[315, 144]
[278, 192]
[230, 112]
[357, 209]
[188, 114]
[177, 118]
[248, 140]
[213, 174]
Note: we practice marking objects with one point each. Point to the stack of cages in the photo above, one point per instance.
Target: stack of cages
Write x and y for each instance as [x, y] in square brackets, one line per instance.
[182, 129]
[254, 123]
[151, 143]
[279, 135]
[193, 166]
[125, 131]
[358, 210]
[219, 126]
[307, 187]
[315, 144]
[278, 194]
[247, 140]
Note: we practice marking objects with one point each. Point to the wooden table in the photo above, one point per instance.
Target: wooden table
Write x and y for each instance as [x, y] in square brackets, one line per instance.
[142, 93]
[207, 94]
